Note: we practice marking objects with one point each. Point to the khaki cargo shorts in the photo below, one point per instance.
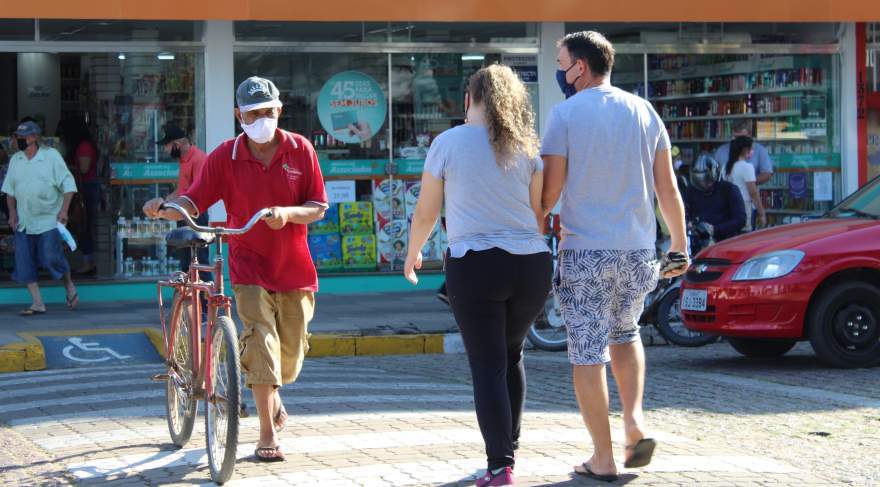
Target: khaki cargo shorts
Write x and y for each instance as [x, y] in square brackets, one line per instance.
[275, 339]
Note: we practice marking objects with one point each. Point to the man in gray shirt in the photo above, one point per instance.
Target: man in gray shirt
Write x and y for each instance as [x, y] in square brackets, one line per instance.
[760, 157]
[607, 154]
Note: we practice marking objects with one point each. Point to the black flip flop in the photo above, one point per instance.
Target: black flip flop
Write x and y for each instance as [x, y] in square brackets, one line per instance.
[31, 312]
[72, 301]
[641, 453]
[596, 476]
[274, 454]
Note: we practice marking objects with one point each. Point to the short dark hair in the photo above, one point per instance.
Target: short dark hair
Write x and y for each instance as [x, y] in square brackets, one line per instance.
[591, 47]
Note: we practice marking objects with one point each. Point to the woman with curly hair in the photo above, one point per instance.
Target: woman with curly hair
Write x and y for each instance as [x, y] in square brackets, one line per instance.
[498, 266]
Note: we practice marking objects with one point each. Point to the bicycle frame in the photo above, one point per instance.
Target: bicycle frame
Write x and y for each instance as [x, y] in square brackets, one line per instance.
[190, 287]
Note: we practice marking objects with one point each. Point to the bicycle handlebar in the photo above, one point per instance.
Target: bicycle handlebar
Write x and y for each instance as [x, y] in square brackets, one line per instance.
[216, 230]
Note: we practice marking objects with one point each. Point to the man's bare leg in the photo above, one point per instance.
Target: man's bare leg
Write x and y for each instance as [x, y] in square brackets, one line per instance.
[591, 390]
[36, 297]
[628, 367]
[264, 400]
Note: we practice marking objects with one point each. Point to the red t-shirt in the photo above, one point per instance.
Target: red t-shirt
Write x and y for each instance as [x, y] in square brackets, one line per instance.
[190, 166]
[277, 260]
[86, 149]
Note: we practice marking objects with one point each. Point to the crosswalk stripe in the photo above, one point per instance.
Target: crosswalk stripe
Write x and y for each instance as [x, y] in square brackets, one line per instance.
[37, 378]
[6, 378]
[97, 399]
[416, 473]
[19, 392]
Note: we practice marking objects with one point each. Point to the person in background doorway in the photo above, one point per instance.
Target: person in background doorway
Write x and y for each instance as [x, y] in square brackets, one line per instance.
[713, 202]
[760, 158]
[742, 174]
[178, 146]
[82, 159]
[38, 189]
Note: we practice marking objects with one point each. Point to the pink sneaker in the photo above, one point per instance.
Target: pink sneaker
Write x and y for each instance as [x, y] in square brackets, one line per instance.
[503, 478]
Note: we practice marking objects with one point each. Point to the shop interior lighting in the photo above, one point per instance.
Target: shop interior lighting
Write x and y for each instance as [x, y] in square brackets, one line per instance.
[165, 56]
[121, 56]
[472, 57]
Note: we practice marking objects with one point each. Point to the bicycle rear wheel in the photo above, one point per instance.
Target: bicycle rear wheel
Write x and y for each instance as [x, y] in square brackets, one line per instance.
[548, 331]
[222, 408]
[180, 402]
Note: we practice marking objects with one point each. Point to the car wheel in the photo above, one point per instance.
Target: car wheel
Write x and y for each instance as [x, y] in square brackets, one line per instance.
[751, 347]
[844, 325]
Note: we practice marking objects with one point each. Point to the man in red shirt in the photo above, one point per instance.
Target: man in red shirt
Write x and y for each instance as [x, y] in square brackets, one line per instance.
[177, 145]
[273, 277]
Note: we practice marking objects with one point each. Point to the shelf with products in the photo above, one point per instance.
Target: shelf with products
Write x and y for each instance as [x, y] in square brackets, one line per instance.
[730, 117]
[731, 94]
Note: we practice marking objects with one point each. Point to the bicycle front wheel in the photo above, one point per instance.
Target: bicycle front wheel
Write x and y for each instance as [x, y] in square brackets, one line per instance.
[180, 401]
[222, 408]
[548, 331]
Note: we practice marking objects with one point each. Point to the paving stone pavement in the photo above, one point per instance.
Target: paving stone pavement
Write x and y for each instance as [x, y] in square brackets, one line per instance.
[408, 420]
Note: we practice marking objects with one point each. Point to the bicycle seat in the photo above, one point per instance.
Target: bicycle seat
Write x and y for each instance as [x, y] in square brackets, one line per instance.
[184, 237]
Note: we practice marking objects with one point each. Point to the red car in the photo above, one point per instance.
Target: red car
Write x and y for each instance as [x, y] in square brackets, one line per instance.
[817, 281]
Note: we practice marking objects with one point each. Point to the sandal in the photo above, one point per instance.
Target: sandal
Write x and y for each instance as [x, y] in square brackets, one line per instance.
[269, 454]
[586, 472]
[31, 312]
[72, 301]
[641, 453]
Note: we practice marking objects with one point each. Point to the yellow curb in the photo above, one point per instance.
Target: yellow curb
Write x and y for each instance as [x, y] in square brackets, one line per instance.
[331, 345]
[390, 345]
[434, 344]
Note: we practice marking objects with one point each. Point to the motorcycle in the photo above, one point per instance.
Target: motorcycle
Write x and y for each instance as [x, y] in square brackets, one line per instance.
[662, 308]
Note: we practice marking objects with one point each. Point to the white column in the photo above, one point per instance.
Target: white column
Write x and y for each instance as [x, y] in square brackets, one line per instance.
[219, 91]
[849, 140]
[548, 91]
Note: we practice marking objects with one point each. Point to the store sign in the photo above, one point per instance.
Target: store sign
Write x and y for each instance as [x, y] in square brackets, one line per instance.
[352, 167]
[410, 167]
[139, 170]
[813, 120]
[340, 191]
[524, 66]
[807, 161]
[352, 107]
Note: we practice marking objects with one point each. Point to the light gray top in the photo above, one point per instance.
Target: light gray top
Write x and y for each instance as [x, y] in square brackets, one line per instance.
[760, 159]
[610, 138]
[486, 205]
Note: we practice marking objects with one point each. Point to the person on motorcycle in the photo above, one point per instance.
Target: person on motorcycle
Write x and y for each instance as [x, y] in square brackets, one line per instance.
[714, 203]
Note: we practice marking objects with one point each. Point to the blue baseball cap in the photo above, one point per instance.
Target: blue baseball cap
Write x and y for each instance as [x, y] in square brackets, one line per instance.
[255, 93]
[27, 129]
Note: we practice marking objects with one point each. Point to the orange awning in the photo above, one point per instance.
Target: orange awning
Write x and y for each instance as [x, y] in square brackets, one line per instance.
[456, 10]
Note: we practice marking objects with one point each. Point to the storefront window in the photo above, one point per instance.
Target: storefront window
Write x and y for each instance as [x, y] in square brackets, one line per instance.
[787, 102]
[434, 32]
[652, 33]
[119, 30]
[372, 158]
[17, 29]
[123, 100]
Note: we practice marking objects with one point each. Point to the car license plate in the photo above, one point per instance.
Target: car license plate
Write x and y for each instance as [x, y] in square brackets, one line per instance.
[694, 299]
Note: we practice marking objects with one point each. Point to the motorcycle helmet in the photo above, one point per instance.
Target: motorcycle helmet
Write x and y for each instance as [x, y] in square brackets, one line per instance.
[705, 173]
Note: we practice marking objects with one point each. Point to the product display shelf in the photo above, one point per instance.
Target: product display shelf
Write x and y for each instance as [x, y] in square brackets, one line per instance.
[732, 117]
[734, 94]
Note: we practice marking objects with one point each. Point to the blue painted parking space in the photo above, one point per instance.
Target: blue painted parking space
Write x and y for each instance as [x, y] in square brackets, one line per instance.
[63, 352]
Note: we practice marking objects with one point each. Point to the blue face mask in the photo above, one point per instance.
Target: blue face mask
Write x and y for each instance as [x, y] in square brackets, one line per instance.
[567, 88]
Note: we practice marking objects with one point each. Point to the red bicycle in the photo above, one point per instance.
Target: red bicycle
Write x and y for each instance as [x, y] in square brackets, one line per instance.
[200, 369]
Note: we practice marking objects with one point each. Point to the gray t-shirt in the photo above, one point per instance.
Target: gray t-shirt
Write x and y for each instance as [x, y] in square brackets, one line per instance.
[609, 137]
[486, 205]
[760, 158]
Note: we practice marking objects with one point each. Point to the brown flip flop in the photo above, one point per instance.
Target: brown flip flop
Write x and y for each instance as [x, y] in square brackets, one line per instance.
[72, 301]
[596, 476]
[269, 454]
[641, 453]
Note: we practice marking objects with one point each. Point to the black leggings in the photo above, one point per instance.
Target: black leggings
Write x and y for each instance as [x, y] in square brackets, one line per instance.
[495, 297]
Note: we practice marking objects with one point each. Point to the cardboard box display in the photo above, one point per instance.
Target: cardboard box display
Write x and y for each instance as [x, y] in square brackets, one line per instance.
[329, 224]
[356, 218]
[388, 200]
[326, 251]
[435, 246]
[359, 252]
[392, 243]
[411, 197]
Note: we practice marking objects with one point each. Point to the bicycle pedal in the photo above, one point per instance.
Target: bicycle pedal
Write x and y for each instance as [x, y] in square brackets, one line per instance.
[160, 377]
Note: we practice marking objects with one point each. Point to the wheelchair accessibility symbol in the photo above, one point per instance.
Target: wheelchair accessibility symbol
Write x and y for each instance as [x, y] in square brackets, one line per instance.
[81, 351]
[96, 350]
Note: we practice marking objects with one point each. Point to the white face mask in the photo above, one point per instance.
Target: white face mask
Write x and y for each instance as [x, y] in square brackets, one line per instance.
[262, 130]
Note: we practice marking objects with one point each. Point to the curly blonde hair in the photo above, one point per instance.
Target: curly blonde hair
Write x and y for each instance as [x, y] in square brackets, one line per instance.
[509, 115]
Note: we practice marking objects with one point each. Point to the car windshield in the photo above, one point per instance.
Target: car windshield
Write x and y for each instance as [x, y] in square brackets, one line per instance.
[863, 203]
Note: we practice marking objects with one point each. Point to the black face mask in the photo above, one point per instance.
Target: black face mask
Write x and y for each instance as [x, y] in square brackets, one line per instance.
[22, 144]
[175, 151]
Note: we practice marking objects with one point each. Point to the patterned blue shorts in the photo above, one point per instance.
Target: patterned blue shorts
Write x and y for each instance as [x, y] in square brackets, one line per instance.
[601, 294]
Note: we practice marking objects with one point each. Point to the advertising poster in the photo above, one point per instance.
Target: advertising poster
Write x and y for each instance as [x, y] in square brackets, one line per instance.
[352, 107]
[813, 120]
